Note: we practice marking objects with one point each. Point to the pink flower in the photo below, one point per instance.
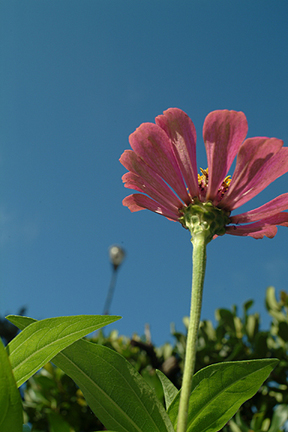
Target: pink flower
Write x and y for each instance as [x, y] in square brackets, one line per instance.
[162, 166]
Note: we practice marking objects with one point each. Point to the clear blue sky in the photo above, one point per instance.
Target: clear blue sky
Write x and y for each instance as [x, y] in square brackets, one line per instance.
[77, 77]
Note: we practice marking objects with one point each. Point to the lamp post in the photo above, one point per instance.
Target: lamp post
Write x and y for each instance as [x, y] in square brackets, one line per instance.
[116, 255]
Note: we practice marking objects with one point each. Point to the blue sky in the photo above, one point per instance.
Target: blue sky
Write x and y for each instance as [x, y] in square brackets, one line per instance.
[77, 77]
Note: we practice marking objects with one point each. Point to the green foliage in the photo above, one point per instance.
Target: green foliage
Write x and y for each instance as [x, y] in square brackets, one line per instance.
[170, 391]
[52, 401]
[115, 392]
[219, 390]
[51, 391]
[11, 417]
[7, 330]
[239, 338]
[42, 340]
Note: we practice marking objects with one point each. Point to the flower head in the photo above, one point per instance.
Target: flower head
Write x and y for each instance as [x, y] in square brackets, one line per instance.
[162, 166]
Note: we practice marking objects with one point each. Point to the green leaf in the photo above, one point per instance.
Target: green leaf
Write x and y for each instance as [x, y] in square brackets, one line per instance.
[257, 421]
[233, 426]
[240, 423]
[20, 321]
[247, 305]
[113, 389]
[42, 340]
[170, 391]
[273, 307]
[219, 390]
[252, 326]
[271, 302]
[11, 413]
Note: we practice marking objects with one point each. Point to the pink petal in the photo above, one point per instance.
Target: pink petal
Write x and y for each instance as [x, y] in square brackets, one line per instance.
[267, 210]
[259, 162]
[255, 232]
[181, 131]
[152, 144]
[138, 202]
[223, 133]
[133, 181]
[265, 227]
[136, 165]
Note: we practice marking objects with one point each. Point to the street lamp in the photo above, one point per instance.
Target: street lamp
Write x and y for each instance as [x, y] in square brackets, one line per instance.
[116, 255]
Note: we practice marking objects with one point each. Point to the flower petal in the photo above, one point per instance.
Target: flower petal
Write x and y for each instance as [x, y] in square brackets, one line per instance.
[255, 232]
[265, 227]
[181, 131]
[138, 202]
[259, 162]
[267, 210]
[132, 181]
[136, 165]
[223, 133]
[152, 144]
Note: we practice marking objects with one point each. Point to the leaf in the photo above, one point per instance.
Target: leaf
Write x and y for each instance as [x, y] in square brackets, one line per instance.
[219, 390]
[247, 305]
[256, 423]
[20, 321]
[233, 426]
[11, 413]
[252, 326]
[113, 389]
[240, 422]
[42, 340]
[271, 302]
[273, 307]
[170, 391]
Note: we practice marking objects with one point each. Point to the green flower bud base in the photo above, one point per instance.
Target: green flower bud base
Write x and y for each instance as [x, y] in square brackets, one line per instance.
[204, 219]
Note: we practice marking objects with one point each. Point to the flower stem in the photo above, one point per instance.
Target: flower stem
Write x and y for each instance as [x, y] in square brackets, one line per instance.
[199, 263]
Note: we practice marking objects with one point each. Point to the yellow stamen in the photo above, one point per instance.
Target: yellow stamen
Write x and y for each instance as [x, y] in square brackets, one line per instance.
[203, 180]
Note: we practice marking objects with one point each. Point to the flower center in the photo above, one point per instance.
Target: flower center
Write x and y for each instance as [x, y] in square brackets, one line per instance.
[203, 184]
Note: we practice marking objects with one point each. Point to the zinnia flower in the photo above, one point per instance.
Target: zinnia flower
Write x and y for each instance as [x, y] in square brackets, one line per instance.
[162, 166]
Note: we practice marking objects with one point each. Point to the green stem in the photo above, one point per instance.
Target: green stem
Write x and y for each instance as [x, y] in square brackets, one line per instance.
[199, 264]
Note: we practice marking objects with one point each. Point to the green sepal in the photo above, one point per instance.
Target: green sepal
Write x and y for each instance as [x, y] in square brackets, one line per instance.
[204, 218]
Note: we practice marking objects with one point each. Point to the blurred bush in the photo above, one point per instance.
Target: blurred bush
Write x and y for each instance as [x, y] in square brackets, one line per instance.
[8, 330]
[52, 401]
